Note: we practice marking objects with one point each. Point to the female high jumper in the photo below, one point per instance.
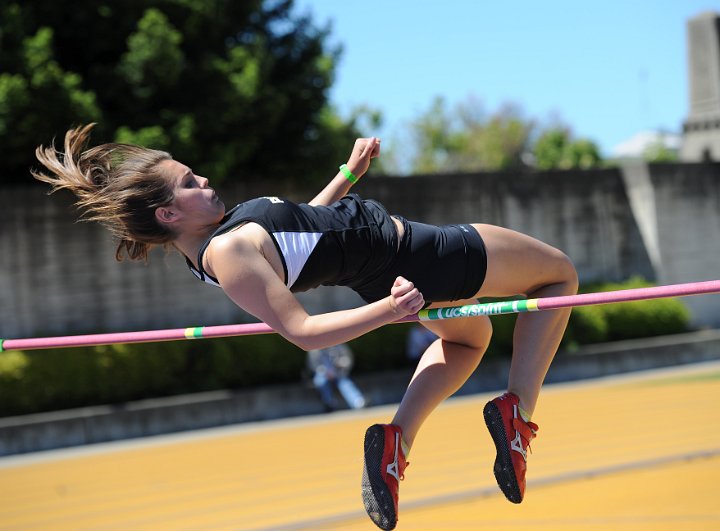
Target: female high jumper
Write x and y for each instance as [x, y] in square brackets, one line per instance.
[264, 249]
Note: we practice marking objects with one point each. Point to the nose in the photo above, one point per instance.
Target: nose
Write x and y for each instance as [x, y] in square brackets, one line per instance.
[203, 182]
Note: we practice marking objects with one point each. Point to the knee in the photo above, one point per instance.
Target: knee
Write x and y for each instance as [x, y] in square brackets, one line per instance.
[470, 332]
[475, 335]
[559, 273]
[480, 332]
[568, 274]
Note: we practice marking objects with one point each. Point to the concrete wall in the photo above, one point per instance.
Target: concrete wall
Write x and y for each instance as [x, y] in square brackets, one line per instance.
[661, 222]
[687, 230]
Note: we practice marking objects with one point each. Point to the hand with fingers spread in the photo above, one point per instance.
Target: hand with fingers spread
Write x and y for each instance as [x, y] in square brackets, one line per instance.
[405, 298]
[364, 150]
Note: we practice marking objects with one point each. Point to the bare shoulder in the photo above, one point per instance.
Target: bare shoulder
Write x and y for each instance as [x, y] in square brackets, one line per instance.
[242, 245]
[238, 260]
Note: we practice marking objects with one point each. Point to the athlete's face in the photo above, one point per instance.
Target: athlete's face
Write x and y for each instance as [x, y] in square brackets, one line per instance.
[193, 198]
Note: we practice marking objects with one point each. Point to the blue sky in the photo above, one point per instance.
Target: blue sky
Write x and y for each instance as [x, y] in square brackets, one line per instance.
[609, 69]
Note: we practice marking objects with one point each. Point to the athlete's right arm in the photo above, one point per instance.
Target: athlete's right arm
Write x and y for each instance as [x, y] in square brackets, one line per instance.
[249, 280]
[364, 150]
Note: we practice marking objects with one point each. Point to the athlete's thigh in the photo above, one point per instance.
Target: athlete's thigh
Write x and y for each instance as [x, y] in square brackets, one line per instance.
[475, 331]
[518, 263]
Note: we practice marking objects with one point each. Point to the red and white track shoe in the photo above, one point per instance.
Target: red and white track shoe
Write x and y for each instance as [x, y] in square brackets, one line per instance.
[512, 436]
[382, 472]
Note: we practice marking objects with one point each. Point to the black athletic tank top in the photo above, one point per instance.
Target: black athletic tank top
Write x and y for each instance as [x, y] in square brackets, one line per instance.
[348, 243]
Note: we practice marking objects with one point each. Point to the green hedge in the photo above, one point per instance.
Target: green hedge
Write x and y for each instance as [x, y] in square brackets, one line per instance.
[628, 320]
[52, 379]
[45, 380]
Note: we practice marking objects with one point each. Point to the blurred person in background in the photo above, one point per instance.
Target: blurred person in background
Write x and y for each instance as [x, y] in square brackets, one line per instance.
[330, 368]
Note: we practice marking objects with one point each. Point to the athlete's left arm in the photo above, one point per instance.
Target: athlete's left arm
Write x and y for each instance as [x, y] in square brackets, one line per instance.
[364, 150]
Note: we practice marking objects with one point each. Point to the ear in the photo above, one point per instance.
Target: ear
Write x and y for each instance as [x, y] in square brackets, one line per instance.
[165, 214]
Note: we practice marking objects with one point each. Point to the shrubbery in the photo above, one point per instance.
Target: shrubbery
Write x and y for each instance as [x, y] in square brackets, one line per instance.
[64, 378]
[52, 379]
[628, 320]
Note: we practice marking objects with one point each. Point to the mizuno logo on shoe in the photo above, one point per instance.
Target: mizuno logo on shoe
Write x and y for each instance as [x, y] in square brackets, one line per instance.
[516, 445]
[392, 468]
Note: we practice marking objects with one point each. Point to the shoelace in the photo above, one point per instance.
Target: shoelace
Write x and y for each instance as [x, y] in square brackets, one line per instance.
[527, 431]
[402, 472]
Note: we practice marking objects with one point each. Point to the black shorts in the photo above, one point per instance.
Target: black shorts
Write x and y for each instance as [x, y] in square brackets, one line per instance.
[445, 263]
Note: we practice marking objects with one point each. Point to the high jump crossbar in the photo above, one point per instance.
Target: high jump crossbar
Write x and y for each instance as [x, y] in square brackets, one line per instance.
[469, 310]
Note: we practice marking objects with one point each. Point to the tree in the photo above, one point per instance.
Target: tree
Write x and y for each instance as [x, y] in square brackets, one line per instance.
[466, 139]
[551, 148]
[659, 151]
[556, 149]
[233, 89]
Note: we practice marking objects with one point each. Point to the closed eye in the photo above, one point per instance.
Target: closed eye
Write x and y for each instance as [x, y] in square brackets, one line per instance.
[189, 180]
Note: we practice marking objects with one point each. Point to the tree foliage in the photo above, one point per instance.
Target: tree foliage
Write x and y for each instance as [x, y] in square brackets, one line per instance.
[233, 89]
[466, 138]
[555, 148]
[658, 151]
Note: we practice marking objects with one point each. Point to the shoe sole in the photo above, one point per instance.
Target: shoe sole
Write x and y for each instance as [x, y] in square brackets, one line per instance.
[503, 468]
[377, 499]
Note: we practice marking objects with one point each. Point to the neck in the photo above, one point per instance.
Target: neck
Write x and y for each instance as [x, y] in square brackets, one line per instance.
[189, 243]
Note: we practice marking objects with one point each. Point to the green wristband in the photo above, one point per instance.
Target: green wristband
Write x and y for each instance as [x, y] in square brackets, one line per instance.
[348, 174]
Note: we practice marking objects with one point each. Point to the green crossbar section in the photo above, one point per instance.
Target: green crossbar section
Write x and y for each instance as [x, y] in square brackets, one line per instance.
[486, 308]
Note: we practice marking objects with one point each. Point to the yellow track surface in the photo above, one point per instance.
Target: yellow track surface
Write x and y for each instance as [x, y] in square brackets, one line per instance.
[631, 453]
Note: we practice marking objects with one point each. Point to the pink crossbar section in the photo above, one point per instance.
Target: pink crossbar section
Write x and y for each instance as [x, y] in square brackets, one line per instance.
[626, 295]
[148, 336]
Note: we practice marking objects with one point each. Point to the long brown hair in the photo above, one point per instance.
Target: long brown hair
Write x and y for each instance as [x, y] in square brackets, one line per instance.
[119, 185]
